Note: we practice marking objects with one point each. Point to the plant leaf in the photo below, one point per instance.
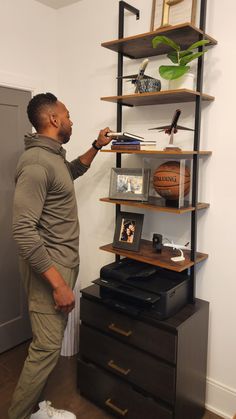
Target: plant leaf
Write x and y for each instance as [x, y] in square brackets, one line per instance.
[171, 72]
[198, 44]
[188, 58]
[174, 57]
[184, 53]
[164, 40]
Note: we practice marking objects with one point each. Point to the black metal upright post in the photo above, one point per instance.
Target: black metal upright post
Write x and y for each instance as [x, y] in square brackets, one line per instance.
[122, 6]
[196, 147]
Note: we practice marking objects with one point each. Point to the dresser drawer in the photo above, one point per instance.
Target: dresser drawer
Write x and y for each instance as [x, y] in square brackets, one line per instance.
[116, 396]
[154, 340]
[133, 365]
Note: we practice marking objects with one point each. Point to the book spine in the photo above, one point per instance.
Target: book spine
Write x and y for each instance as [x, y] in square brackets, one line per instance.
[124, 138]
[125, 147]
[135, 142]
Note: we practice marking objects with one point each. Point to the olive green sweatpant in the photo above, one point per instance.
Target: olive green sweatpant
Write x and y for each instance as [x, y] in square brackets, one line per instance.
[48, 331]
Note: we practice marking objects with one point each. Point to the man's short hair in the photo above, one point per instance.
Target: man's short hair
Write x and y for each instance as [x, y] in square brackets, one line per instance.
[36, 105]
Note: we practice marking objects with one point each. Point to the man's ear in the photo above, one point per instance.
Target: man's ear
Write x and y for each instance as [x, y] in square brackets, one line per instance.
[53, 118]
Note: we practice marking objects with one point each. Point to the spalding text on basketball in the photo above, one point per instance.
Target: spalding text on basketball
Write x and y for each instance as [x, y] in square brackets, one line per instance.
[166, 178]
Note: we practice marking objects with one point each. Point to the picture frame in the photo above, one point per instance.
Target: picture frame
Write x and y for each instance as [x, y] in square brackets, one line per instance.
[128, 231]
[164, 14]
[129, 184]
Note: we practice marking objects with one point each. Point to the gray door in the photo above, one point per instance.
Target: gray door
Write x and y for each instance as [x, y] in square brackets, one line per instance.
[14, 322]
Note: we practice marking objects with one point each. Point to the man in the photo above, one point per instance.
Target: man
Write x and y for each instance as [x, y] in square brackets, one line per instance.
[46, 229]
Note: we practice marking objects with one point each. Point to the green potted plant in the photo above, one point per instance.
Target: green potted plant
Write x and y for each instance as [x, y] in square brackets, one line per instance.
[179, 58]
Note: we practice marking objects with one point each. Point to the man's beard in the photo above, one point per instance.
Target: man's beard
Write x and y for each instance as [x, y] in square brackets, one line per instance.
[65, 135]
[65, 139]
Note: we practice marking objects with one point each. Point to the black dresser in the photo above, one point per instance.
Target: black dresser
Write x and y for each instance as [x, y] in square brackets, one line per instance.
[138, 367]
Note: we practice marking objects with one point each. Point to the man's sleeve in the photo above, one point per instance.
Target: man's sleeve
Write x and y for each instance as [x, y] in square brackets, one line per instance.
[30, 194]
[77, 168]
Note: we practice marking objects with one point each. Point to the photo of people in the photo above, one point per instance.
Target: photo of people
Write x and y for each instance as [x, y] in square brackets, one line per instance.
[127, 230]
[130, 183]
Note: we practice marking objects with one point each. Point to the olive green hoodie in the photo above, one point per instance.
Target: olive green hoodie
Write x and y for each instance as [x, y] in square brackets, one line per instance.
[45, 220]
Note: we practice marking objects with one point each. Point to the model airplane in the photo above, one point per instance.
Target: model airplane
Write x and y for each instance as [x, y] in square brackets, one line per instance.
[172, 129]
[180, 247]
[139, 76]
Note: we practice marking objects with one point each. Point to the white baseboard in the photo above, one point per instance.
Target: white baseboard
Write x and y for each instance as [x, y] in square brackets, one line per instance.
[220, 399]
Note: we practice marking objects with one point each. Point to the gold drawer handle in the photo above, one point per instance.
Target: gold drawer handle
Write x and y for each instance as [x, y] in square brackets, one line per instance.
[112, 364]
[116, 329]
[121, 412]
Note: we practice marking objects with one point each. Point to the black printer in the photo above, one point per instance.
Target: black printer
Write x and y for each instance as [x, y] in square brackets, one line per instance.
[134, 286]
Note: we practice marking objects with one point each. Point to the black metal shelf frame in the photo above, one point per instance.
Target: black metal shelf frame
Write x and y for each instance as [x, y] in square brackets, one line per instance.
[122, 6]
[198, 107]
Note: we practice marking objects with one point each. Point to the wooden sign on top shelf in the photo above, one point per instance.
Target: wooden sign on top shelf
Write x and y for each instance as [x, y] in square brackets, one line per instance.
[172, 12]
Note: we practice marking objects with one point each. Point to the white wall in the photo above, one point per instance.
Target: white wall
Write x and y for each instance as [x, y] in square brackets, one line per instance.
[28, 45]
[60, 51]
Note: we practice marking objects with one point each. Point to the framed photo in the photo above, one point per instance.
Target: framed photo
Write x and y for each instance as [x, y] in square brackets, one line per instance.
[128, 231]
[129, 184]
[172, 12]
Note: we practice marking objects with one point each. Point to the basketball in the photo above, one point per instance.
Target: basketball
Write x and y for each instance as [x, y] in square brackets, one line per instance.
[171, 180]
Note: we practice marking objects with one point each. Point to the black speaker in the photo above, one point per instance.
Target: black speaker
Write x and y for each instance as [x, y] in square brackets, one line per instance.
[157, 242]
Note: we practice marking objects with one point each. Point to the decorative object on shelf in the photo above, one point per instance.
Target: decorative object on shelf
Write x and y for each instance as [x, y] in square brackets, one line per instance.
[172, 129]
[128, 231]
[140, 75]
[129, 184]
[171, 180]
[179, 57]
[157, 242]
[148, 85]
[176, 246]
[187, 81]
[172, 12]
[142, 82]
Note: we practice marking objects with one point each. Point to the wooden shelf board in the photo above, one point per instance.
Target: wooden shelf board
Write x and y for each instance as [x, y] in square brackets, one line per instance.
[140, 46]
[148, 255]
[181, 154]
[158, 98]
[156, 206]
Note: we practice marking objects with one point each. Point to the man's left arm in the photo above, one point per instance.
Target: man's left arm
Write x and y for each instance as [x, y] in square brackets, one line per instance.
[80, 165]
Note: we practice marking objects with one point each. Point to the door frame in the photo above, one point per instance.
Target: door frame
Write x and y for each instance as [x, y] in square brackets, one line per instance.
[20, 82]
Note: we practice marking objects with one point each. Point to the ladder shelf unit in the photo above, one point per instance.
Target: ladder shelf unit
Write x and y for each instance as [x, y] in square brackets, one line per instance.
[140, 46]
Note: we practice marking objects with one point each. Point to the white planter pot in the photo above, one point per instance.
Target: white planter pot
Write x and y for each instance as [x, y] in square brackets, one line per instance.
[187, 81]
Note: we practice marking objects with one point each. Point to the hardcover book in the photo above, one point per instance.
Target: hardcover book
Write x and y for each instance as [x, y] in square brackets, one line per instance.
[124, 136]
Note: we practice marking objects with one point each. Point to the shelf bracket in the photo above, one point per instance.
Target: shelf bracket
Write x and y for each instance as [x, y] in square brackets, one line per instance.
[122, 6]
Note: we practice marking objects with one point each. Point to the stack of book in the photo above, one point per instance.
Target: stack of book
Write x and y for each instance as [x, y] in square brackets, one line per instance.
[128, 141]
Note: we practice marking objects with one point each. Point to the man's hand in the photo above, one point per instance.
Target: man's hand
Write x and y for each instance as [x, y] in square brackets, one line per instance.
[63, 295]
[64, 299]
[101, 140]
[102, 137]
